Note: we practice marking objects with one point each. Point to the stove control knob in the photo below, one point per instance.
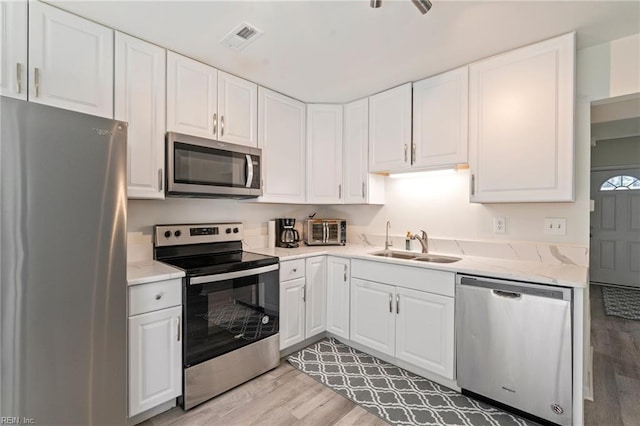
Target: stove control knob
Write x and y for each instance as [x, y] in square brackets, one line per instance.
[167, 234]
[236, 230]
[177, 233]
[228, 230]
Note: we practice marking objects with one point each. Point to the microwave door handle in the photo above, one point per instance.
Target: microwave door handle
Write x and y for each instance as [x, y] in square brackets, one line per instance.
[326, 232]
[249, 171]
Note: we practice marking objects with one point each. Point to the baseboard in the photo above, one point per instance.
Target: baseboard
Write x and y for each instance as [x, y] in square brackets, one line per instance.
[298, 346]
[146, 415]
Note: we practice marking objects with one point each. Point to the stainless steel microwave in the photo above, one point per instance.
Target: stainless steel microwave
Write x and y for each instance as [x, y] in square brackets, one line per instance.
[325, 232]
[198, 167]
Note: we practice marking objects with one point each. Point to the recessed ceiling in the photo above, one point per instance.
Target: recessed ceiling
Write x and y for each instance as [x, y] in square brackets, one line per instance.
[338, 51]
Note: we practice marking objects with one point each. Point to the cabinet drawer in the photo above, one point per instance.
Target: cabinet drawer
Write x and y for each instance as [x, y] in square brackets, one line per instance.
[153, 296]
[291, 269]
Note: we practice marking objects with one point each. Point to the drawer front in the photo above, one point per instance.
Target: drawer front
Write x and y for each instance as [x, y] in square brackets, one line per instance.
[291, 269]
[153, 296]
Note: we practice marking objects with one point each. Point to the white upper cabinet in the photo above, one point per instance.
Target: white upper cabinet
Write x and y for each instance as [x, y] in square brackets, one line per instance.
[360, 187]
[140, 101]
[281, 136]
[70, 61]
[521, 106]
[440, 105]
[324, 154]
[390, 130]
[238, 110]
[13, 48]
[192, 94]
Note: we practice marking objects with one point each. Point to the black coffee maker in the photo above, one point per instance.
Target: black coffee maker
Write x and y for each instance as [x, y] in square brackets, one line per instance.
[286, 236]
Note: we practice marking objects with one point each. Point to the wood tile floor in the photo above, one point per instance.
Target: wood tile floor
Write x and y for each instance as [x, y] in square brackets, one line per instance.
[616, 368]
[285, 396]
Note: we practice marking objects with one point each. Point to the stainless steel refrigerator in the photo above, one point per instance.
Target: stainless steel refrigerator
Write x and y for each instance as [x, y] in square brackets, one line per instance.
[63, 266]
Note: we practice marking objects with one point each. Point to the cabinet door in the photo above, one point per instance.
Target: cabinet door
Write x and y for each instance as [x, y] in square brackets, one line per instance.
[390, 130]
[281, 136]
[316, 295]
[440, 107]
[292, 312]
[338, 294]
[425, 330]
[155, 359]
[324, 154]
[192, 93]
[70, 61]
[140, 100]
[238, 110]
[372, 315]
[13, 51]
[521, 124]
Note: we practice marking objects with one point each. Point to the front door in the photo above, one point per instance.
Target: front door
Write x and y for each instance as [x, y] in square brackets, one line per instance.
[615, 227]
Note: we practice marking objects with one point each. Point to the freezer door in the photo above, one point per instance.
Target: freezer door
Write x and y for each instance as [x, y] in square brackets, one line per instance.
[63, 266]
[515, 348]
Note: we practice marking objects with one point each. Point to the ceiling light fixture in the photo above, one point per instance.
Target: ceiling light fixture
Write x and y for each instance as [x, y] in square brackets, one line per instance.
[422, 5]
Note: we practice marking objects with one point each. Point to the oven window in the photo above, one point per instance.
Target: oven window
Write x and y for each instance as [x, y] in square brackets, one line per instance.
[317, 231]
[208, 166]
[226, 315]
[333, 232]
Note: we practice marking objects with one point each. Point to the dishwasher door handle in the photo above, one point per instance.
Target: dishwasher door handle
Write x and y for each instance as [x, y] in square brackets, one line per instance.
[507, 294]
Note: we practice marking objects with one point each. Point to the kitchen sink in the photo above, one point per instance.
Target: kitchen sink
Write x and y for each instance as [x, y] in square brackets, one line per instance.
[421, 257]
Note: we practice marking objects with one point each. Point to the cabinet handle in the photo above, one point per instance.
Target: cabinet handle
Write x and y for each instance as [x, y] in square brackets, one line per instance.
[160, 180]
[304, 293]
[179, 328]
[294, 270]
[221, 125]
[363, 188]
[406, 150]
[345, 273]
[413, 153]
[36, 81]
[215, 123]
[19, 77]
[473, 184]
[397, 304]
[340, 191]
[390, 303]
[158, 296]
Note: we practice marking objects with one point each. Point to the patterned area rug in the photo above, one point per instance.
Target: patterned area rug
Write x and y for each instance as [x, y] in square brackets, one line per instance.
[621, 302]
[391, 393]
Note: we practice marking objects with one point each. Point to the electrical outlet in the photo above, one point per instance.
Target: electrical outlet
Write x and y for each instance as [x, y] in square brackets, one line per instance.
[499, 225]
[555, 225]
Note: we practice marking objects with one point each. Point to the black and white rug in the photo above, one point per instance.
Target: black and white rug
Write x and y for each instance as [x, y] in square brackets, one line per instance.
[391, 393]
[621, 302]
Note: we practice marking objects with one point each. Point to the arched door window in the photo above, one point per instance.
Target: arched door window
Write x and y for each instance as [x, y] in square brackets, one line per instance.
[621, 183]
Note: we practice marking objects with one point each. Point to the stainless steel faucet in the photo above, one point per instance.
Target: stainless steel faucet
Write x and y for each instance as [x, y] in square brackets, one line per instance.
[424, 241]
[387, 243]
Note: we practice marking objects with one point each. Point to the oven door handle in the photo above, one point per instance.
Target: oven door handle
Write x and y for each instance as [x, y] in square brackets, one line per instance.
[232, 275]
[249, 171]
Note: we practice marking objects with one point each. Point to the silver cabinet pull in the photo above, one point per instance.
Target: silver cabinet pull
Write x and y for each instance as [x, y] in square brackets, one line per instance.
[178, 327]
[158, 296]
[473, 184]
[160, 179]
[390, 302]
[294, 270]
[304, 293]
[413, 153]
[363, 196]
[36, 80]
[18, 77]
[345, 273]
[406, 150]
[215, 123]
[397, 304]
[221, 125]
[340, 191]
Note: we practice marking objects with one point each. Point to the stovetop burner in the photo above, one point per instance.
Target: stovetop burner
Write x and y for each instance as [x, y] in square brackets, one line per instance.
[208, 264]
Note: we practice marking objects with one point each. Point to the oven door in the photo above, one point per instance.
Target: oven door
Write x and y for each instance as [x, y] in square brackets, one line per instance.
[227, 311]
[202, 167]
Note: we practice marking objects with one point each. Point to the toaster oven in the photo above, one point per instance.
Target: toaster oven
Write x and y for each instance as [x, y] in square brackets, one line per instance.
[325, 232]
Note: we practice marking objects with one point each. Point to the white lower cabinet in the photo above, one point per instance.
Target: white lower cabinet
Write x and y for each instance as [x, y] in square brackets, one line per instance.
[155, 344]
[338, 295]
[292, 312]
[316, 295]
[409, 316]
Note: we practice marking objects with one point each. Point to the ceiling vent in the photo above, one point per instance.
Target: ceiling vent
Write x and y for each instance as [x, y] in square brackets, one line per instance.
[241, 36]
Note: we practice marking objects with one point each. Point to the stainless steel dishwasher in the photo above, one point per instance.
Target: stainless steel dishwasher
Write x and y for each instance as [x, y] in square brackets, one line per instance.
[513, 345]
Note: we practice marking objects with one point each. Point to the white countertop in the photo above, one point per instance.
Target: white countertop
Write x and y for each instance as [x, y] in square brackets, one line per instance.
[149, 271]
[537, 272]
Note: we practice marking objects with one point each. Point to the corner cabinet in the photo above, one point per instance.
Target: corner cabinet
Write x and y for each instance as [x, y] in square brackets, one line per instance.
[360, 187]
[390, 130]
[440, 105]
[140, 100]
[324, 154]
[13, 39]
[521, 136]
[281, 136]
[70, 61]
[155, 344]
[338, 295]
